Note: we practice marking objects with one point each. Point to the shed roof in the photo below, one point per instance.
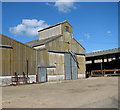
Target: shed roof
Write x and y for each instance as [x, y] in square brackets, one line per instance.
[105, 52]
[42, 42]
[2, 35]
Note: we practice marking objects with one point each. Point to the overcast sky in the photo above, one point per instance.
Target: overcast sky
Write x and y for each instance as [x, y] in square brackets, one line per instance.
[95, 25]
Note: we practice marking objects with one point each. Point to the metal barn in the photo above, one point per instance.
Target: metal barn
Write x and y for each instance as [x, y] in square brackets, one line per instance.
[16, 58]
[57, 47]
[56, 55]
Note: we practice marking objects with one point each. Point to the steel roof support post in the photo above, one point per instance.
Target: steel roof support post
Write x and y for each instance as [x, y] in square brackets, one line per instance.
[107, 59]
[92, 61]
[116, 56]
[102, 67]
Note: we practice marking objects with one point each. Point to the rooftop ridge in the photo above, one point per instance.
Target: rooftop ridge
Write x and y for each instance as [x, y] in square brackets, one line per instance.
[53, 25]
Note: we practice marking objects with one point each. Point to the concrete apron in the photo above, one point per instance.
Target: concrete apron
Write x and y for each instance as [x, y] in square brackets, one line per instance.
[62, 77]
[55, 77]
[6, 80]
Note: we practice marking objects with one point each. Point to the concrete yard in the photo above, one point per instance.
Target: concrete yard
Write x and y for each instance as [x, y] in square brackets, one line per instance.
[81, 93]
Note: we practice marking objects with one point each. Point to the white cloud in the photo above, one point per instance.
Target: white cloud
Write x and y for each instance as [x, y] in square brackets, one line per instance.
[87, 35]
[64, 5]
[109, 33]
[96, 50]
[49, 4]
[81, 40]
[28, 27]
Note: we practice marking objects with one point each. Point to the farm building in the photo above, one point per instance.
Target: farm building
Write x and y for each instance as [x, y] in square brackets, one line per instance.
[16, 57]
[102, 63]
[56, 55]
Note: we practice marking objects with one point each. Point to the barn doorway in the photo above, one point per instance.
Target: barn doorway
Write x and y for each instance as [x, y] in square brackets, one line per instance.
[70, 61]
[42, 74]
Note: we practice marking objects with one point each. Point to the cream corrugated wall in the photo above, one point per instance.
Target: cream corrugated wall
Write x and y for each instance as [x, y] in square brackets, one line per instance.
[56, 59]
[15, 60]
[81, 61]
[50, 32]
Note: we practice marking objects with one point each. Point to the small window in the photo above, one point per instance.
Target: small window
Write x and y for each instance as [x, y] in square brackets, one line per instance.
[67, 28]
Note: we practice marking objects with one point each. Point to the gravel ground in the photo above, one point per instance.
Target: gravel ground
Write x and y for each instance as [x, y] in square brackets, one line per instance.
[81, 93]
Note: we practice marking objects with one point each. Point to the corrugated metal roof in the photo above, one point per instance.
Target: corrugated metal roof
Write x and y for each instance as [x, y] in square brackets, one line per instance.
[105, 52]
[2, 35]
[41, 42]
[63, 52]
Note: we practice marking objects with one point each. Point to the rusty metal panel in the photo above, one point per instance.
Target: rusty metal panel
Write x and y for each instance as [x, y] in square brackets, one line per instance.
[67, 59]
[42, 57]
[2, 61]
[51, 71]
[42, 74]
[12, 60]
[81, 61]
[67, 41]
[57, 44]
